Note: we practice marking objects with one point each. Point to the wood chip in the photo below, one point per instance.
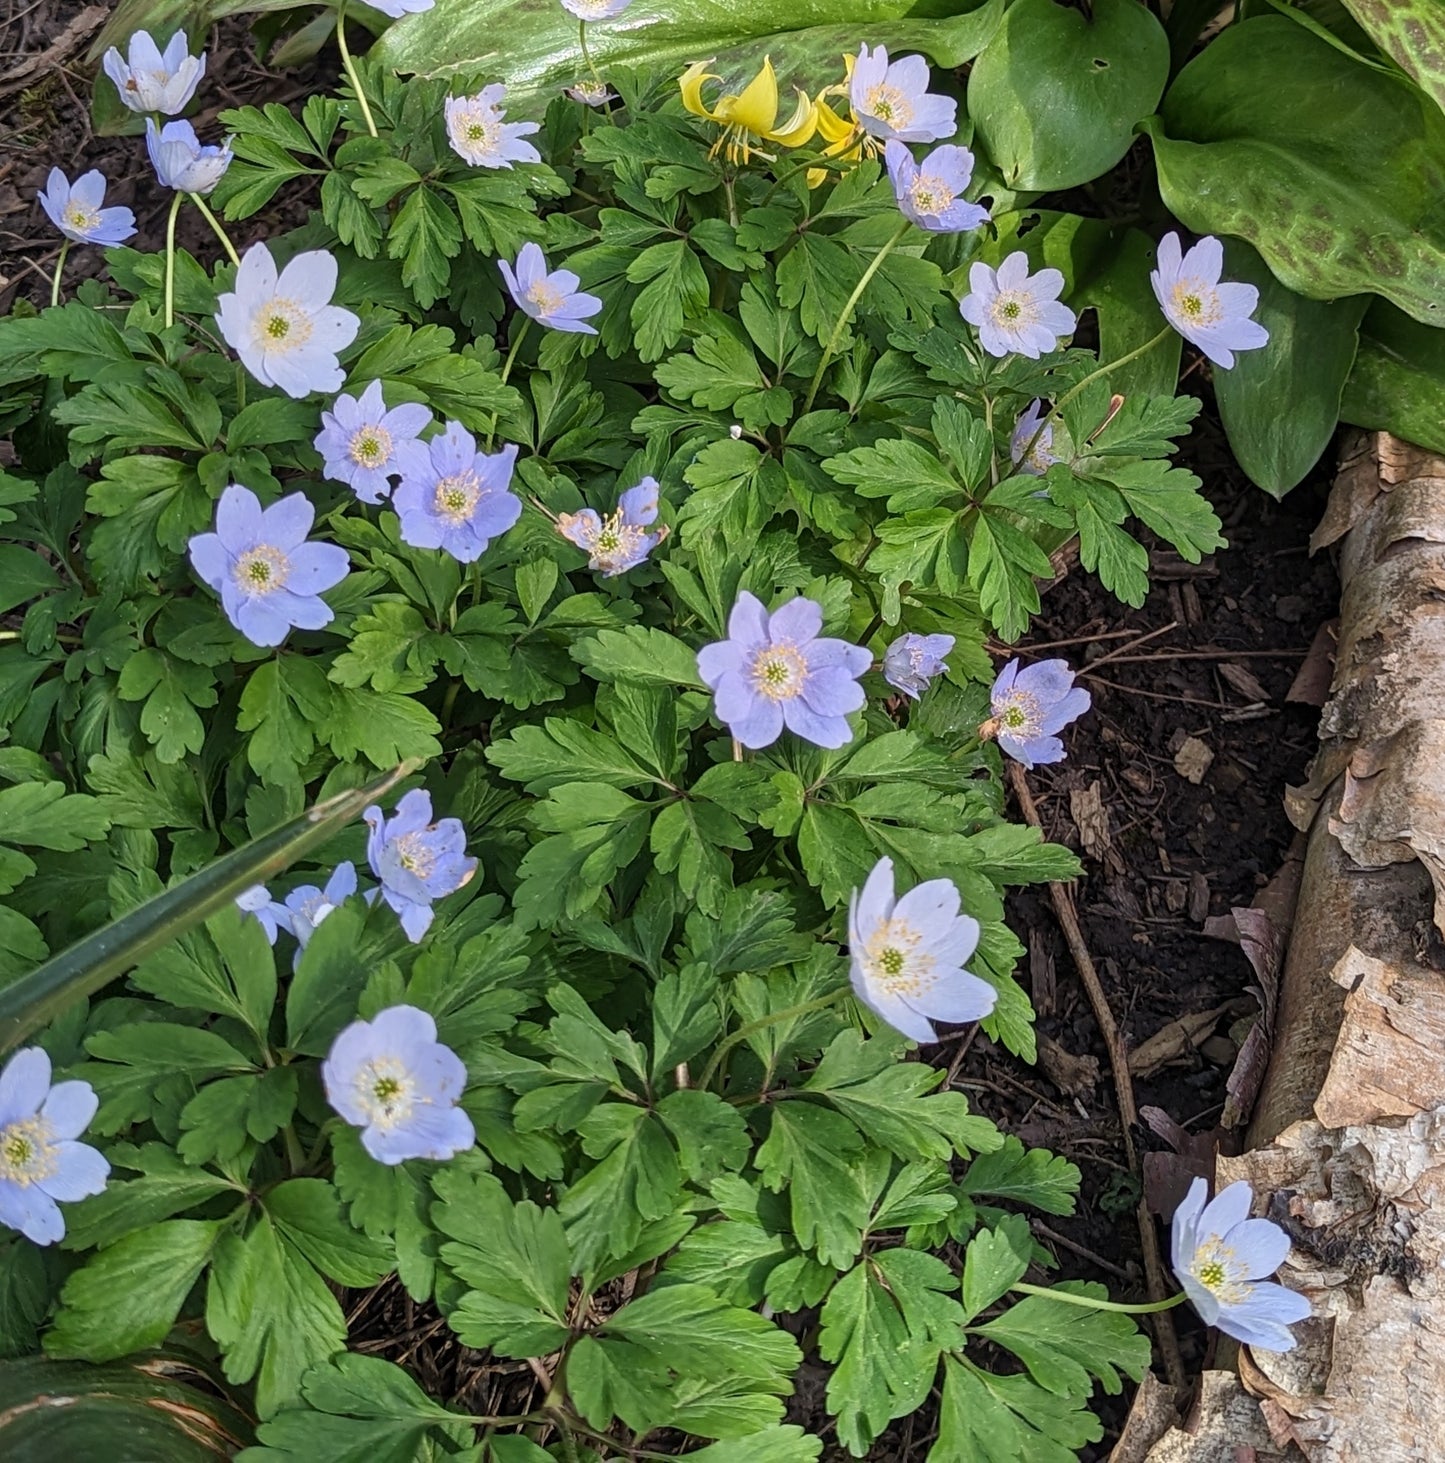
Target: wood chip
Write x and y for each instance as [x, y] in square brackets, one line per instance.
[1073, 1076]
[1243, 680]
[1091, 818]
[1198, 897]
[1193, 760]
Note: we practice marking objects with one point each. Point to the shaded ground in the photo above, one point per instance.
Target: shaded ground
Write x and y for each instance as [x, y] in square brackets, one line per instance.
[1209, 657]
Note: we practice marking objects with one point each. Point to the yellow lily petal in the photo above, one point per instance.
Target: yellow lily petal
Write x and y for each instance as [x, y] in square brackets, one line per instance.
[800, 126]
[690, 84]
[832, 127]
[757, 107]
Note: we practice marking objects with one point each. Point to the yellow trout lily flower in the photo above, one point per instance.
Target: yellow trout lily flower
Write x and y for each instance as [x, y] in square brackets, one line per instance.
[845, 139]
[751, 116]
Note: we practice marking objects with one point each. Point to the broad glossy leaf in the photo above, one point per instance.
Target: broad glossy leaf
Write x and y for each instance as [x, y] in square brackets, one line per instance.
[532, 44]
[1332, 170]
[71, 1409]
[1056, 96]
[1398, 381]
[1280, 405]
[1412, 33]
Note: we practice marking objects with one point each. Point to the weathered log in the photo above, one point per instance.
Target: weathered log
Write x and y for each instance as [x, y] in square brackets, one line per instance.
[1347, 1145]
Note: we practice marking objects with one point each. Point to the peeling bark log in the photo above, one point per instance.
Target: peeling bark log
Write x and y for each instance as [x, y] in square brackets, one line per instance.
[1348, 1140]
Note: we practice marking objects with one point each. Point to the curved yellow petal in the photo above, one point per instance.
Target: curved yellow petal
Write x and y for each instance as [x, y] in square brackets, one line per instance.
[757, 106]
[800, 126]
[690, 85]
[831, 127]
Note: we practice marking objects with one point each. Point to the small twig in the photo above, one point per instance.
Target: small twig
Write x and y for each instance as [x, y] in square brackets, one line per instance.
[1134, 644]
[1108, 1266]
[1068, 918]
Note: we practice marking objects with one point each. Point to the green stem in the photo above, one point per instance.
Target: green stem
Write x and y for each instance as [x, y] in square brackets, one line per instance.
[806, 1008]
[216, 228]
[171, 260]
[586, 54]
[518, 337]
[1057, 413]
[59, 270]
[349, 66]
[1089, 1303]
[847, 312]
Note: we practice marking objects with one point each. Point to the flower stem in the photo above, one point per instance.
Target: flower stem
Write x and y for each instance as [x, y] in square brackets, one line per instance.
[1089, 1303]
[59, 270]
[806, 1008]
[847, 312]
[216, 228]
[171, 260]
[349, 66]
[1057, 413]
[517, 339]
[586, 54]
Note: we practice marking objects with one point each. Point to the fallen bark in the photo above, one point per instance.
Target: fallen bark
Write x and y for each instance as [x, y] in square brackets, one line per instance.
[1347, 1145]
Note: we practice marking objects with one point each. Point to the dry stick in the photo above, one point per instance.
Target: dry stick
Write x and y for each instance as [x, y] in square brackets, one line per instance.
[1068, 919]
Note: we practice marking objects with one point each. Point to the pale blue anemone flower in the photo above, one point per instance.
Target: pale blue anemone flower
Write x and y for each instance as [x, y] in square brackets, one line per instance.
[75, 209]
[41, 1164]
[1207, 312]
[416, 860]
[268, 576]
[1222, 1257]
[595, 9]
[257, 901]
[620, 541]
[359, 439]
[182, 161]
[912, 661]
[151, 80]
[306, 906]
[552, 299]
[775, 671]
[930, 193]
[906, 956]
[453, 497]
[482, 137]
[1040, 458]
[394, 1080]
[1031, 706]
[1016, 312]
[283, 326]
[892, 99]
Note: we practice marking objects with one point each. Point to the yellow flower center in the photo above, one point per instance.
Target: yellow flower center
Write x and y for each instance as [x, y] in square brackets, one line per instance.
[889, 105]
[893, 961]
[370, 447]
[262, 570]
[386, 1091]
[457, 496]
[1197, 303]
[415, 854]
[282, 325]
[930, 193]
[27, 1152]
[1019, 712]
[82, 219]
[477, 131]
[778, 672]
[589, 9]
[546, 298]
[1217, 1268]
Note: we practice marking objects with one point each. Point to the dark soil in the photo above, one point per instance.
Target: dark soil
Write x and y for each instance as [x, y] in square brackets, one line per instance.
[1163, 853]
